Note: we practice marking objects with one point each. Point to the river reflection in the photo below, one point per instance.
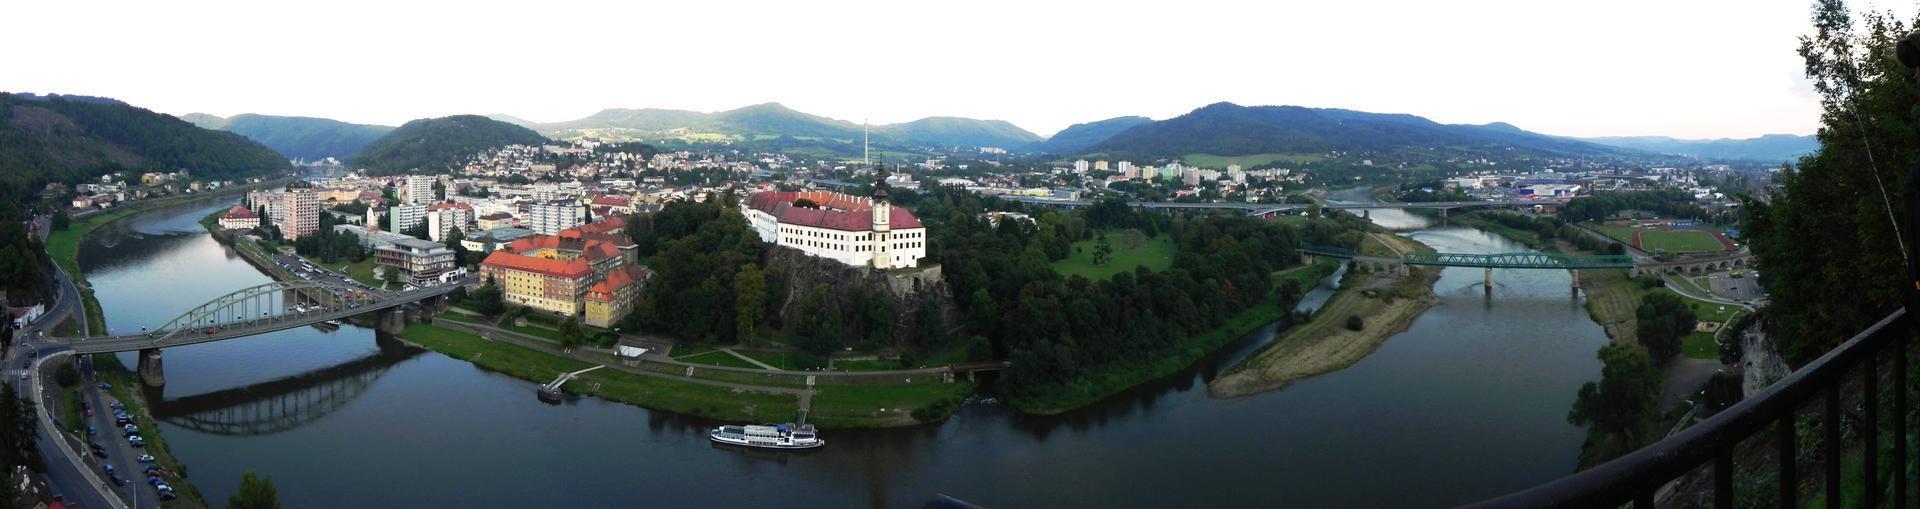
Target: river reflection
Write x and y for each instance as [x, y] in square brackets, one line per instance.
[1468, 403]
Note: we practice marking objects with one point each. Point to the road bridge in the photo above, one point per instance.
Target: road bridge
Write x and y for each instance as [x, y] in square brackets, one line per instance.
[1488, 261]
[260, 309]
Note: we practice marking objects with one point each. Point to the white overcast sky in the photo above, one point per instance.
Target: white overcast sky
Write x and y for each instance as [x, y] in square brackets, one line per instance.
[1685, 68]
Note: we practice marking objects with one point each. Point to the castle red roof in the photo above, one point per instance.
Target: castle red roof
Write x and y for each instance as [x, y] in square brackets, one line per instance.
[240, 212]
[616, 280]
[502, 259]
[838, 211]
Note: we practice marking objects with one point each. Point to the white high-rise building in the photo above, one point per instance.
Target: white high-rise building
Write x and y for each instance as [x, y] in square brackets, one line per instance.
[1126, 168]
[419, 190]
[548, 218]
[1080, 166]
[444, 217]
[299, 214]
[400, 218]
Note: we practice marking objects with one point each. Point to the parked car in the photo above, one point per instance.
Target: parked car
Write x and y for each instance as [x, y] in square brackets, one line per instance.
[91, 431]
[105, 386]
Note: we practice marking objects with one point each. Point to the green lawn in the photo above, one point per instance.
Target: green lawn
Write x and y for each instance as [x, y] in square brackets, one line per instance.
[1155, 253]
[869, 365]
[1247, 162]
[782, 360]
[1620, 233]
[842, 406]
[1700, 345]
[1679, 241]
[651, 392]
[717, 358]
[361, 271]
[689, 350]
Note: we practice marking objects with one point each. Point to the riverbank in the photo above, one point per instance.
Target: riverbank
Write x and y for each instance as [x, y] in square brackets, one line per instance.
[126, 385]
[64, 245]
[1386, 302]
[1117, 379]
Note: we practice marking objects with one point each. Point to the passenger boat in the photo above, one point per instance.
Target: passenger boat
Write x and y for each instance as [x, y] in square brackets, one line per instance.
[783, 436]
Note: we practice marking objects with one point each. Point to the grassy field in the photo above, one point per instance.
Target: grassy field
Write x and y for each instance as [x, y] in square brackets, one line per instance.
[361, 271]
[657, 393]
[1679, 241]
[1620, 233]
[1386, 303]
[1699, 345]
[689, 350]
[867, 365]
[1155, 253]
[857, 405]
[1248, 161]
[717, 358]
[782, 360]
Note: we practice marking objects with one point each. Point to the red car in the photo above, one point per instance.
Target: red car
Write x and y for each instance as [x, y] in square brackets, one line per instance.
[211, 330]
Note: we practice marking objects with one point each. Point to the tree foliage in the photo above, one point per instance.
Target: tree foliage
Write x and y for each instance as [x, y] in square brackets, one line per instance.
[46, 140]
[1825, 235]
[1662, 319]
[1624, 398]
[255, 492]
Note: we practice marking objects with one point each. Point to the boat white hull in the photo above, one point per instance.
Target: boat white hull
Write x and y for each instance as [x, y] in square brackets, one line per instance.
[764, 444]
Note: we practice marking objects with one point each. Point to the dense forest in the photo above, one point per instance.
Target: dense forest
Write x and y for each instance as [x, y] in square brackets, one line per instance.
[304, 138]
[1671, 203]
[433, 143]
[24, 266]
[1826, 236]
[46, 140]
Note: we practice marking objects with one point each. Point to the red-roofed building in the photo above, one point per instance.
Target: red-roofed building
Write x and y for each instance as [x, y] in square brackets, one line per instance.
[854, 230]
[556, 272]
[240, 218]
[612, 298]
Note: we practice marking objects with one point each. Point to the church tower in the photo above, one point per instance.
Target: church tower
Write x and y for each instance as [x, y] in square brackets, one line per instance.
[882, 215]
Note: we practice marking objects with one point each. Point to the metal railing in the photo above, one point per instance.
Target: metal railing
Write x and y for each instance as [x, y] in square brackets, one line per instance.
[1636, 477]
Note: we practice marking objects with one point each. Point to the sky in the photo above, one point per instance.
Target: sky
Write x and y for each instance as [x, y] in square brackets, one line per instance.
[1689, 69]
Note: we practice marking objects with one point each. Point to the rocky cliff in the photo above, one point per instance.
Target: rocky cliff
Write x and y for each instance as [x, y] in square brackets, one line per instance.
[850, 290]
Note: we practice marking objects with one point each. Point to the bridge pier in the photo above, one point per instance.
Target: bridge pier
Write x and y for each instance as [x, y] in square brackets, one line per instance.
[1489, 284]
[149, 368]
[1443, 217]
[391, 320]
[1576, 281]
[1366, 214]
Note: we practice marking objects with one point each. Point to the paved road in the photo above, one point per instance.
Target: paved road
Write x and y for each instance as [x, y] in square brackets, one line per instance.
[70, 471]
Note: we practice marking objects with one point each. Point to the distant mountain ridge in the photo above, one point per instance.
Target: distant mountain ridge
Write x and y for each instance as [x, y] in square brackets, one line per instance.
[432, 143]
[304, 138]
[1768, 148]
[56, 139]
[1231, 129]
[1080, 136]
[773, 121]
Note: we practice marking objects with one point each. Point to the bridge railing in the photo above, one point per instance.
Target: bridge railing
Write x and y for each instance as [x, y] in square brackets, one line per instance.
[1742, 432]
[1333, 251]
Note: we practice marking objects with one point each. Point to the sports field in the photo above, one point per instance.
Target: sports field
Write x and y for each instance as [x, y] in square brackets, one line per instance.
[1673, 241]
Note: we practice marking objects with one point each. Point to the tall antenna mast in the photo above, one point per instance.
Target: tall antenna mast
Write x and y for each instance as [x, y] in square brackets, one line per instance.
[865, 157]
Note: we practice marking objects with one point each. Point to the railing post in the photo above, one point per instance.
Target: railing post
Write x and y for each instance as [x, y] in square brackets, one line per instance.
[1900, 415]
[1870, 435]
[1788, 482]
[1723, 478]
[1830, 449]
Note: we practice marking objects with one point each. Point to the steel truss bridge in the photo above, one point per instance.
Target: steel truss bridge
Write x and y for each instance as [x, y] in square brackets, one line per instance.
[1487, 261]
[257, 310]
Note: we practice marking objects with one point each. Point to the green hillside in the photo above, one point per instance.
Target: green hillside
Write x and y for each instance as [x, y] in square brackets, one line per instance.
[58, 140]
[1080, 136]
[304, 138]
[434, 143]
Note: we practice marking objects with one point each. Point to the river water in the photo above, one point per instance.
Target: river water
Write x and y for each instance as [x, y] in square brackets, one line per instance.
[1470, 402]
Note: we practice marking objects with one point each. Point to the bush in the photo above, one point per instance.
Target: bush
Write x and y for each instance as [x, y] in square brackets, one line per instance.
[67, 376]
[1354, 323]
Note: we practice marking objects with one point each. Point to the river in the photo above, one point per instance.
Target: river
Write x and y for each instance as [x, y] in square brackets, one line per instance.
[1470, 402]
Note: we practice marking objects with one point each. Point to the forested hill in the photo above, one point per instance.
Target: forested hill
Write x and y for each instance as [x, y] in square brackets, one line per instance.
[761, 123]
[304, 138]
[1079, 136]
[433, 143]
[52, 139]
[1232, 129]
[1769, 148]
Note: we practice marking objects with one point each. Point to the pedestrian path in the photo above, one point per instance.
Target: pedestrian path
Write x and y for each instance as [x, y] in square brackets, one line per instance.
[749, 360]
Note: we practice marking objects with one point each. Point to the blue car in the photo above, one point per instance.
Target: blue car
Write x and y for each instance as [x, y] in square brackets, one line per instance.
[91, 431]
[104, 385]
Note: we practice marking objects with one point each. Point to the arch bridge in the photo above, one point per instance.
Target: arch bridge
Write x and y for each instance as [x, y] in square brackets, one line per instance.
[259, 309]
[282, 404]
